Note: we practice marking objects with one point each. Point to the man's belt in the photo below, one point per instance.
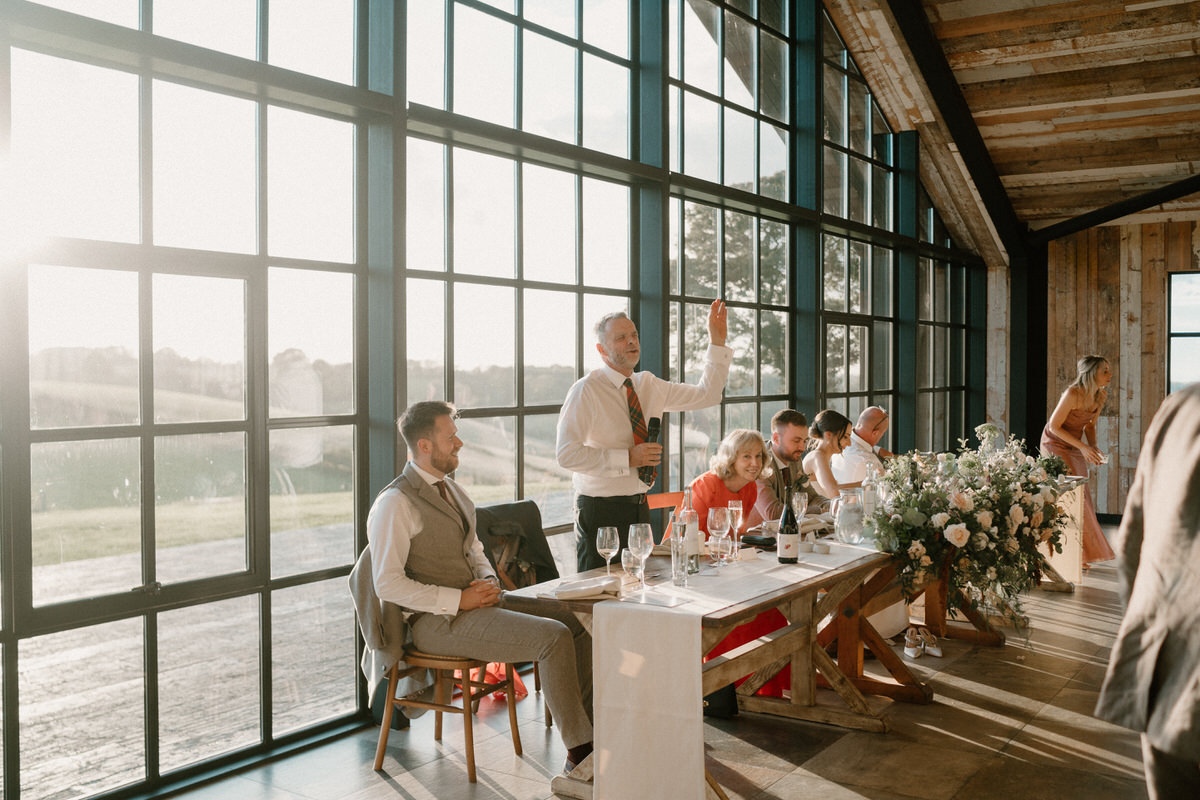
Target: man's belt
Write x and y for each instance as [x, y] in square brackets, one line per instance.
[632, 499]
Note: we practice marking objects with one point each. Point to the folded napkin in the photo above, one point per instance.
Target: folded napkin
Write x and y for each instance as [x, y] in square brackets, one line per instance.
[816, 522]
[599, 587]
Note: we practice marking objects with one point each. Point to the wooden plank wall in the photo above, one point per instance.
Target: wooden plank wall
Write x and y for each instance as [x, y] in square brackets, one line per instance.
[1108, 296]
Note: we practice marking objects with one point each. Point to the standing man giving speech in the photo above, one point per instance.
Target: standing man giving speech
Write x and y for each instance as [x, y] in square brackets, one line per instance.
[606, 422]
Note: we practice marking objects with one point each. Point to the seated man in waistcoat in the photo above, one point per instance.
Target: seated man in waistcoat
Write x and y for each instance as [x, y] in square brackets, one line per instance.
[427, 559]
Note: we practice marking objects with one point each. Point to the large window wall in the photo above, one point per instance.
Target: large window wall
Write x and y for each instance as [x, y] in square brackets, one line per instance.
[249, 242]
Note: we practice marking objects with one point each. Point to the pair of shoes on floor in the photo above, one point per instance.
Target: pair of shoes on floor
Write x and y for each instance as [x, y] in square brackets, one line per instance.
[919, 641]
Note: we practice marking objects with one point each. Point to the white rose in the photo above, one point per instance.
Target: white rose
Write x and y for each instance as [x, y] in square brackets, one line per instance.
[991, 573]
[984, 518]
[916, 550]
[957, 534]
[1016, 514]
[962, 501]
[1036, 520]
[1012, 544]
[940, 519]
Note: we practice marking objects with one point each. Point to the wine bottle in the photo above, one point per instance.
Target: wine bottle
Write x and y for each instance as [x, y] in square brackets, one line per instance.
[788, 542]
[691, 540]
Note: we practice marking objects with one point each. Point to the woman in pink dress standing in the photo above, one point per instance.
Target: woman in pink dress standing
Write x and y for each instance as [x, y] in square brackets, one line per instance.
[1073, 421]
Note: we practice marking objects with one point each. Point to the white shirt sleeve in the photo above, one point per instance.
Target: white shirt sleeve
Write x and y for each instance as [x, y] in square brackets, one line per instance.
[390, 528]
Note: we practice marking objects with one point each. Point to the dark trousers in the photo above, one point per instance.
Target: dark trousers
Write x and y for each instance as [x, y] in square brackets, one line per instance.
[1169, 776]
[597, 512]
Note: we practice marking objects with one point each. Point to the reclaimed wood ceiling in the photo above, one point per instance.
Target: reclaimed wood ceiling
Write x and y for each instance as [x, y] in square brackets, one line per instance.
[1080, 104]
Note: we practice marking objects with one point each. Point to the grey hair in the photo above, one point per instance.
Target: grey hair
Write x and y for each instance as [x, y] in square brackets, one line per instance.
[602, 324]
[735, 442]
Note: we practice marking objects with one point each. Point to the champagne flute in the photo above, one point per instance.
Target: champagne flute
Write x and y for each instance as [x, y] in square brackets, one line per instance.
[641, 542]
[718, 529]
[735, 525]
[799, 506]
[607, 545]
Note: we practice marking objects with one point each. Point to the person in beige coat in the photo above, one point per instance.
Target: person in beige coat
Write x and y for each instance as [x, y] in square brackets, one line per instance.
[1153, 679]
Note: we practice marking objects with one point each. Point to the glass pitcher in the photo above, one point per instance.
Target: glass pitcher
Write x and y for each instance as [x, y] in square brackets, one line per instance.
[848, 517]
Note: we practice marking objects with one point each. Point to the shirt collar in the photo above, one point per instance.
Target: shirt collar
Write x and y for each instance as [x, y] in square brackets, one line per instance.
[425, 476]
[858, 441]
[613, 377]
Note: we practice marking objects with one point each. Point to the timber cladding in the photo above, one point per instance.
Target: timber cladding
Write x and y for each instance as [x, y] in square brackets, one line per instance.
[1107, 294]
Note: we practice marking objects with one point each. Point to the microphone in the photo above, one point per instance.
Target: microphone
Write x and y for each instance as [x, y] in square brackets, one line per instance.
[652, 429]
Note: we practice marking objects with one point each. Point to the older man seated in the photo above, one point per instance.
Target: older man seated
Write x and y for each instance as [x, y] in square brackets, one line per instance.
[850, 466]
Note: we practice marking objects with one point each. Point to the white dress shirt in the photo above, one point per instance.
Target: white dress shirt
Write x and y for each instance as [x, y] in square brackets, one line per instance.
[594, 433]
[392, 523]
[850, 466]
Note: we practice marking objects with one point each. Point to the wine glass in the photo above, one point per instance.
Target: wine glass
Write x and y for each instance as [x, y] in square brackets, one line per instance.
[718, 529]
[735, 524]
[641, 542]
[632, 565]
[799, 506]
[607, 545]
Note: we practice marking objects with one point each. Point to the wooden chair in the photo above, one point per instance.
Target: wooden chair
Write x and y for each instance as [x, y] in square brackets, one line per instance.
[661, 501]
[444, 669]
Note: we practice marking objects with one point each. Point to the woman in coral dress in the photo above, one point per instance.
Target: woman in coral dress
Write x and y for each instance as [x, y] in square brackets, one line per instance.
[742, 458]
[1072, 422]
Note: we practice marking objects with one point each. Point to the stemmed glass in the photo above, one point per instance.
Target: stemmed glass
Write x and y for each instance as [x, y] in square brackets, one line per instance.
[735, 526]
[718, 529]
[607, 545]
[641, 542]
[799, 506]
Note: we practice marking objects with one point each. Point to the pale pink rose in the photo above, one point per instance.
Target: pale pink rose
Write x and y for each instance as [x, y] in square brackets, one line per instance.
[940, 519]
[1035, 521]
[916, 550]
[984, 518]
[957, 534]
[926, 561]
[962, 501]
[1012, 544]
[1016, 514]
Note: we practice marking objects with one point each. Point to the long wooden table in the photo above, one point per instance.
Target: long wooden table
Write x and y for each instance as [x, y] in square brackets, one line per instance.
[648, 693]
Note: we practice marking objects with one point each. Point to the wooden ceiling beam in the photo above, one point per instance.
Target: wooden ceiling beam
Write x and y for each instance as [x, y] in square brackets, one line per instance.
[990, 67]
[1097, 155]
[1115, 211]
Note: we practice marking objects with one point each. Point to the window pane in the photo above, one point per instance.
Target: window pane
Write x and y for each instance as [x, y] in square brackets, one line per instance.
[740, 61]
[857, 189]
[940, 356]
[1185, 303]
[831, 43]
[739, 257]
[739, 150]
[835, 358]
[199, 348]
[312, 499]
[835, 104]
[858, 278]
[488, 461]
[230, 26]
[548, 224]
[741, 340]
[858, 107]
[881, 281]
[881, 140]
[740, 415]
[548, 79]
[554, 14]
[924, 356]
[772, 265]
[310, 186]
[941, 292]
[773, 352]
[483, 66]
[200, 520]
[834, 273]
[312, 654]
[695, 340]
[700, 250]
[86, 518]
[484, 346]
[118, 12]
[939, 421]
[315, 37]
[83, 347]
[1185, 362]
[484, 240]
[74, 149]
[425, 340]
[425, 211]
[606, 25]
[605, 234]
[312, 366]
[881, 357]
[925, 289]
[925, 421]
[774, 13]
[857, 360]
[208, 657]
[204, 170]
[546, 483]
[673, 245]
[773, 98]
[834, 178]
[550, 338]
[426, 53]
[700, 147]
[605, 106]
[773, 162]
[701, 21]
[881, 198]
[64, 754]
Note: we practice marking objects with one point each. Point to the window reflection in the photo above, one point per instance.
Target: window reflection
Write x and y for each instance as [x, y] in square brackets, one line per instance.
[312, 499]
[484, 346]
[605, 108]
[546, 483]
[315, 37]
[312, 366]
[425, 340]
[605, 234]
[312, 652]
[548, 366]
[489, 469]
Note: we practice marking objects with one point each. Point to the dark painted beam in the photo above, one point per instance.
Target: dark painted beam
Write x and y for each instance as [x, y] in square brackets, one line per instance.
[913, 25]
[1130, 205]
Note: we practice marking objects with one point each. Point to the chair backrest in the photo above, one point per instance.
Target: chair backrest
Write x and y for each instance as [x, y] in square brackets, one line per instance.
[515, 543]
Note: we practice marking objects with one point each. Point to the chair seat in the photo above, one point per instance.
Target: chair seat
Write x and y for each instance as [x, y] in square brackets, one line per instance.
[417, 658]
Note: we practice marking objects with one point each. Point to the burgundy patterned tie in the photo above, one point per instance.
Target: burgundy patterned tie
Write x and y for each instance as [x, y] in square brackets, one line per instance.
[638, 421]
[441, 487]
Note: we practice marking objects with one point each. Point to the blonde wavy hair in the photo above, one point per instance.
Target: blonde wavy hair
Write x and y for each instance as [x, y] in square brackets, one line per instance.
[734, 443]
[1087, 367]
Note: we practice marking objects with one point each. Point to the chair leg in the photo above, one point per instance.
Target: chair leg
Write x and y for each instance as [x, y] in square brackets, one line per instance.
[439, 697]
[537, 686]
[510, 694]
[468, 730]
[388, 710]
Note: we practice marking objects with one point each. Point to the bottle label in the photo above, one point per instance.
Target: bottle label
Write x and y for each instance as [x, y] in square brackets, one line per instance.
[788, 546]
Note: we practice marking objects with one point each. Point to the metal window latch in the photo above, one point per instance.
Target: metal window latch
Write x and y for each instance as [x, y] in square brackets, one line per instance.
[154, 587]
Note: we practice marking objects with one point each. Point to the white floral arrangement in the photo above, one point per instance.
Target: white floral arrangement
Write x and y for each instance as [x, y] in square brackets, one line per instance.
[977, 516]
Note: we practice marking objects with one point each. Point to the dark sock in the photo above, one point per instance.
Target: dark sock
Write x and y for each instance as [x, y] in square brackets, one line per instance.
[579, 752]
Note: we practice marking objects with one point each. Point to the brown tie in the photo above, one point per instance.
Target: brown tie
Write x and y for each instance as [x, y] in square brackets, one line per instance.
[441, 487]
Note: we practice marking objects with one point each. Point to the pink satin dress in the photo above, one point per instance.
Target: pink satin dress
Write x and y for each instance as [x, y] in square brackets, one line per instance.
[1095, 546]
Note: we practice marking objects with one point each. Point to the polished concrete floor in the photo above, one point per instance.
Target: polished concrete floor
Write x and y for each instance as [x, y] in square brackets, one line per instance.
[1012, 721]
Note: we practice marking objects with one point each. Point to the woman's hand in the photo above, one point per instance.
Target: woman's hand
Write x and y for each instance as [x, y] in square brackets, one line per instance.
[1092, 454]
